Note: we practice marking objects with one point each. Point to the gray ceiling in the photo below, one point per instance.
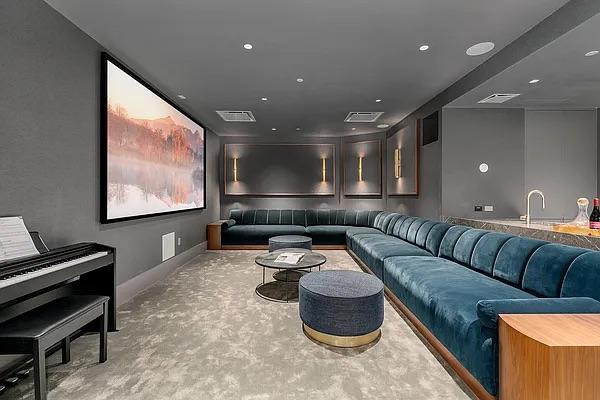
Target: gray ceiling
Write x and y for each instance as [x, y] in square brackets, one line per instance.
[349, 52]
[569, 80]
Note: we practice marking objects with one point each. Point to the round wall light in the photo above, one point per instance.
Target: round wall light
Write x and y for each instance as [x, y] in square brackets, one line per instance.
[483, 167]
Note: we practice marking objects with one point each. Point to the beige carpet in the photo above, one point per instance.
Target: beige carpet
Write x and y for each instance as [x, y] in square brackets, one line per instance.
[204, 334]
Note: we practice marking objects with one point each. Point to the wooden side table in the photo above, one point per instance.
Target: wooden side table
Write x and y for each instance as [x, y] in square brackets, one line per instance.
[213, 235]
[549, 356]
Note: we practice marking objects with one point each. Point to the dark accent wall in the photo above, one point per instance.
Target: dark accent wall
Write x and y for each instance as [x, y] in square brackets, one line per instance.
[49, 142]
[280, 169]
[338, 201]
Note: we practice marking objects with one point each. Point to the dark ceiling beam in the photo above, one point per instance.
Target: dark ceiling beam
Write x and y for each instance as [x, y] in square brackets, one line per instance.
[563, 20]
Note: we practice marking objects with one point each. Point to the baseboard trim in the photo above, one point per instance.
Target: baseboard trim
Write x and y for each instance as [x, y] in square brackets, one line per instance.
[129, 289]
[473, 384]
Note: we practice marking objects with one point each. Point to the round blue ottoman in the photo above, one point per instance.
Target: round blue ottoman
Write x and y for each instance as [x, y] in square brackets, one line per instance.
[341, 308]
[290, 242]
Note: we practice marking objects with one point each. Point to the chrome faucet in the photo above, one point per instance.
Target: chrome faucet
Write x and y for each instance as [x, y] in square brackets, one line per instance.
[528, 215]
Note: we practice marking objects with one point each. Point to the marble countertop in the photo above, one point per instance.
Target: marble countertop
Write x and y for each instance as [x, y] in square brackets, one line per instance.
[538, 229]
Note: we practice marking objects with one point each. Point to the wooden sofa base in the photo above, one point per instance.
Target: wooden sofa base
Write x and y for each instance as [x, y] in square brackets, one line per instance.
[461, 371]
[266, 247]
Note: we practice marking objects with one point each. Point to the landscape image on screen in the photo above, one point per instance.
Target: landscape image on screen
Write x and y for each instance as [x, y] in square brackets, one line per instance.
[155, 160]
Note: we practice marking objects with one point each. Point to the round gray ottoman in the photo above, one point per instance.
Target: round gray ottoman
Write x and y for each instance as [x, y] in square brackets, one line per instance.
[341, 308]
[290, 241]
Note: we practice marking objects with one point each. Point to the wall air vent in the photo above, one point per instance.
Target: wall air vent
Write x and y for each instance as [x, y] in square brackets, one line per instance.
[498, 98]
[237, 116]
[362, 116]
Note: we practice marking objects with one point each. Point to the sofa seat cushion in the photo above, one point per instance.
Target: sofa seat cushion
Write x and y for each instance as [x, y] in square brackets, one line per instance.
[375, 249]
[353, 233]
[257, 234]
[327, 234]
[444, 296]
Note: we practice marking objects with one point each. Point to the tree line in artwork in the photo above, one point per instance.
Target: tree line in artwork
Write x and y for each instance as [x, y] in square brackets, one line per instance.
[159, 140]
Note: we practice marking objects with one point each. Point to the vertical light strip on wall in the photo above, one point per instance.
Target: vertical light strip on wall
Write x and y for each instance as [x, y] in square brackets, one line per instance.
[360, 177]
[323, 170]
[235, 170]
[397, 170]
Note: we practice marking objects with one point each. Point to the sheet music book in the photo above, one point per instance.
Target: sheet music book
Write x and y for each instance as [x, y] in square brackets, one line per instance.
[289, 258]
[15, 240]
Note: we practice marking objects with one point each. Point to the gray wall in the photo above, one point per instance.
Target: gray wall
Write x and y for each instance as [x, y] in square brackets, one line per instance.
[475, 136]
[49, 142]
[333, 202]
[428, 203]
[560, 159]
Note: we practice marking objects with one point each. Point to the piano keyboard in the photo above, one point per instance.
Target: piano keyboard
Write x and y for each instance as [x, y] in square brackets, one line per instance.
[39, 271]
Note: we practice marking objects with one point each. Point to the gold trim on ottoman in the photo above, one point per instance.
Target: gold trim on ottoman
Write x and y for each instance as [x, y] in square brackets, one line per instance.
[341, 341]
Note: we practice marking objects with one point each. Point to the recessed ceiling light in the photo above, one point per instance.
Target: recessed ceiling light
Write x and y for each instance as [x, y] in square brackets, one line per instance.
[273, 129]
[592, 53]
[383, 125]
[424, 47]
[182, 97]
[480, 48]
[248, 46]
[378, 101]
[299, 80]
[264, 99]
[297, 129]
[534, 81]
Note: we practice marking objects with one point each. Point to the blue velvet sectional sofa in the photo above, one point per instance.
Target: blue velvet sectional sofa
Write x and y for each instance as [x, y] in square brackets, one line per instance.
[452, 281]
[325, 227]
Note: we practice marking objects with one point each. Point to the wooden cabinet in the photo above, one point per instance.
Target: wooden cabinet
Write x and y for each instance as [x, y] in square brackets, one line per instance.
[549, 356]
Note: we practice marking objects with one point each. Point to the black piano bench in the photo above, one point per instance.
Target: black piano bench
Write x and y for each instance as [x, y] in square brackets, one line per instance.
[37, 330]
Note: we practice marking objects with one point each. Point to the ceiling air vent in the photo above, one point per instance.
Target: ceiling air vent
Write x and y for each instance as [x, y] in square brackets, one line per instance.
[363, 116]
[498, 98]
[237, 116]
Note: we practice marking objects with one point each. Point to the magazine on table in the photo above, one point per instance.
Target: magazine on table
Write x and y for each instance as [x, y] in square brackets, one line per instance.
[289, 258]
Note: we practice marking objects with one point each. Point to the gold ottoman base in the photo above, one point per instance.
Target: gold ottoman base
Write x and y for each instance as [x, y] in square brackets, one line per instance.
[341, 341]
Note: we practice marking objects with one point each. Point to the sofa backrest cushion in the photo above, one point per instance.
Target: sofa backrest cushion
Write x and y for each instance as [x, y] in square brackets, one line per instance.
[362, 218]
[421, 238]
[248, 217]
[583, 277]
[260, 217]
[463, 249]
[236, 215]
[513, 257]
[449, 241]
[379, 219]
[372, 216]
[389, 221]
[321, 217]
[398, 225]
[350, 217]
[403, 232]
[435, 237]
[486, 250]
[413, 229]
[547, 268]
[274, 217]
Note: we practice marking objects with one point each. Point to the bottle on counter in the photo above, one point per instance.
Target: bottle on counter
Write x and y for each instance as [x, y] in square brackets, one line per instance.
[595, 215]
[582, 219]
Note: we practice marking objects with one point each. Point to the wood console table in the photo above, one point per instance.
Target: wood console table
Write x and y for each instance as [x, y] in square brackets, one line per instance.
[549, 356]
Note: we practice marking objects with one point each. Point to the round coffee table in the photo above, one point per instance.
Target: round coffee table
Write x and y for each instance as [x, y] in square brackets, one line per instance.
[285, 290]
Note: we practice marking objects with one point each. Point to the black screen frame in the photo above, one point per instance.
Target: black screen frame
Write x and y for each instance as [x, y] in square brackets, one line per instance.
[105, 59]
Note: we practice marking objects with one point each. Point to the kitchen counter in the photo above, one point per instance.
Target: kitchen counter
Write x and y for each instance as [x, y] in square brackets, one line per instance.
[543, 230]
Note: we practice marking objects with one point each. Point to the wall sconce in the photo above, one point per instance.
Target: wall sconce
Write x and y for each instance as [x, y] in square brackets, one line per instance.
[235, 170]
[397, 164]
[360, 177]
[323, 170]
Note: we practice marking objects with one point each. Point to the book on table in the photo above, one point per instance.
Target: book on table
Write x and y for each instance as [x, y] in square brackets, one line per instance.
[289, 258]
